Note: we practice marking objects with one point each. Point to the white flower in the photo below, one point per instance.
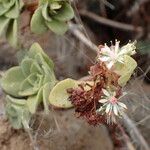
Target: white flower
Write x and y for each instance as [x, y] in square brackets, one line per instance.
[113, 54]
[111, 106]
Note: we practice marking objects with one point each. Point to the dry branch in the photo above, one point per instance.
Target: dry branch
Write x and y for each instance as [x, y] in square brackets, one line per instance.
[78, 34]
[109, 22]
[129, 124]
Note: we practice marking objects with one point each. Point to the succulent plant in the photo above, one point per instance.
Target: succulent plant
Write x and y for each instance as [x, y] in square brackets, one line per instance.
[17, 112]
[53, 15]
[32, 80]
[9, 14]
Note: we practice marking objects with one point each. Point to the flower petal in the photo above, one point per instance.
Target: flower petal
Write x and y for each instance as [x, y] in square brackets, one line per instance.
[122, 105]
[104, 58]
[115, 110]
[108, 107]
[110, 64]
[105, 92]
[103, 100]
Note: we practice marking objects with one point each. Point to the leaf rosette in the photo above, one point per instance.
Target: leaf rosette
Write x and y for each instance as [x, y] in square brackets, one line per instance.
[53, 15]
[9, 14]
[32, 80]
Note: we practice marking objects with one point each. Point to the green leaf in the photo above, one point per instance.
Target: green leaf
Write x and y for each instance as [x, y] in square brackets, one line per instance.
[34, 101]
[11, 81]
[14, 11]
[66, 13]
[21, 54]
[35, 49]
[3, 24]
[55, 5]
[17, 112]
[45, 12]
[21, 3]
[2, 10]
[11, 33]
[35, 68]
[59, 97]
[38, 25]
[46, 91]
[27, 89]
[26, 65]
[125, 70]
[16, 101]
[57, 26]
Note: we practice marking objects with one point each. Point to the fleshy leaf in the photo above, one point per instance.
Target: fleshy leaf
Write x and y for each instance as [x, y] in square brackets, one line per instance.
[45, 12]
[38, 23]
[35, 49]
[14, 11]
[66, 13]
[11, 81]
[58, 96]
[125, 70]
[35, 68]
[11, 33]
[27, 89]
[3, 24]
[33, 101]
[25, 66]
[57, 27]
[46, 91]
[17, 112]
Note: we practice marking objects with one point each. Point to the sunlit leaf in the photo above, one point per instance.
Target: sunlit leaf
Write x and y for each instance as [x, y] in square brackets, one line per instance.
[57, 27]
[33, 101]
[12, 80]
[38, 25]
[59, 97]
[13, 11]
[125, 70]
[46, 91]
[66, 13]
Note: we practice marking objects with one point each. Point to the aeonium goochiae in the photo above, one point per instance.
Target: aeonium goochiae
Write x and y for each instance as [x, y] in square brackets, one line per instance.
[46, 15]
[98, 99]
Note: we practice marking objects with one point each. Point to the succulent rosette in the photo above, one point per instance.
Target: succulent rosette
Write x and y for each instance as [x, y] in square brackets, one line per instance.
[53, 15]
[9, 14]
[31, 82]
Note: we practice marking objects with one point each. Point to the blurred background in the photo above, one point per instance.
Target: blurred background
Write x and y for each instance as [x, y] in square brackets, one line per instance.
[96, 22]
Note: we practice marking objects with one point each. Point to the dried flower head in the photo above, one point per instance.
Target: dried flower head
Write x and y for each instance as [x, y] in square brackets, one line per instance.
[101, 102]
[86, 102]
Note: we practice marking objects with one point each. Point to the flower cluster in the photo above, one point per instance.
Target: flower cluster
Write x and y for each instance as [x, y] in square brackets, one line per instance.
[101, 102]
[113, 54]
[111, 106]
[86, 97]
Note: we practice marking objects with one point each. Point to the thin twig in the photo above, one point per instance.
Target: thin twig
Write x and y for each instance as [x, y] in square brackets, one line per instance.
[126, 137]
[129, 124]
[76, 32]
[109, 22]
